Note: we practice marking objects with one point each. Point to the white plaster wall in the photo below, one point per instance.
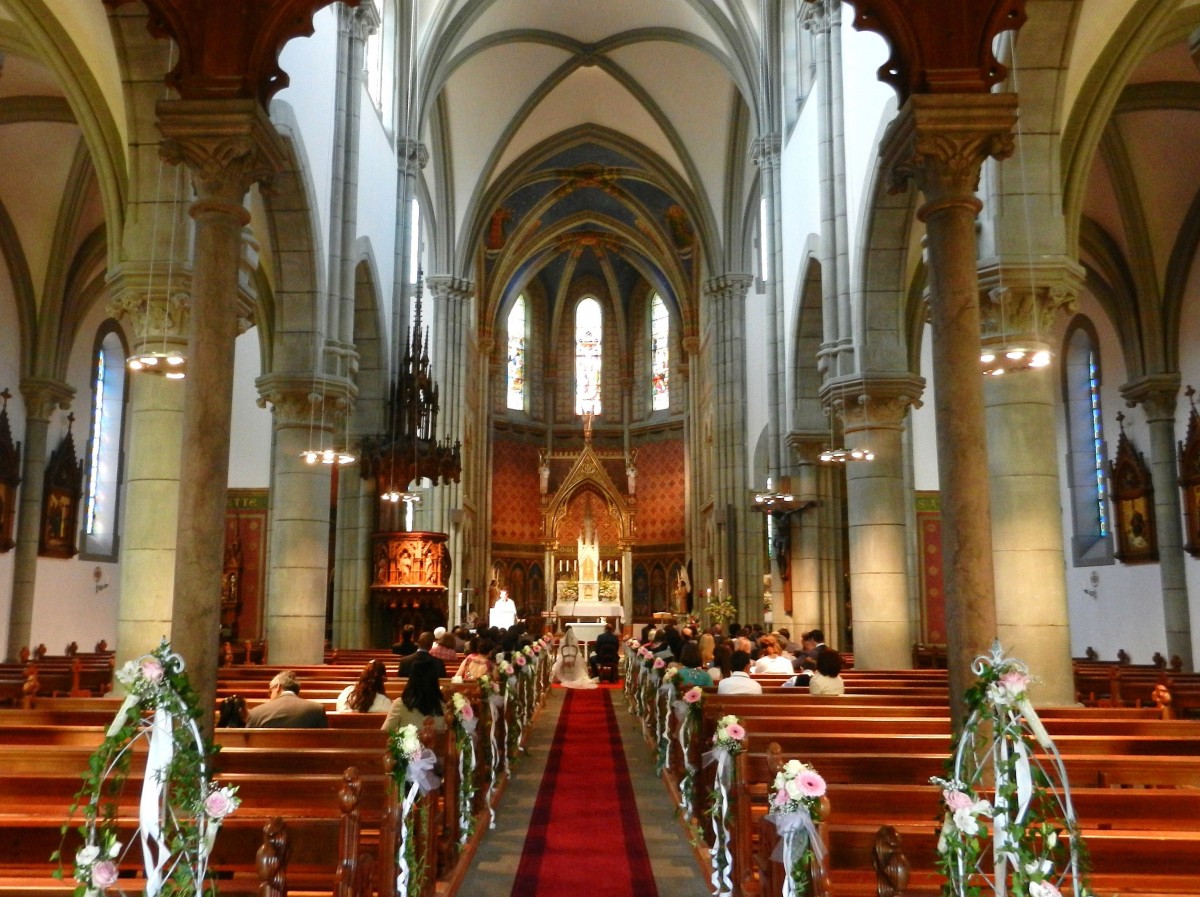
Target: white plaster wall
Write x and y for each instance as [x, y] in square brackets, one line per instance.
[67, 606]
[924, 423]
[377, 206]
[250, 431]
[311, 64]
[1127, 611]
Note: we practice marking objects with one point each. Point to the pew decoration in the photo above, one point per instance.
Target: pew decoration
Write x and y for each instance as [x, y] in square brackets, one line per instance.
[662, 716]
[465, 723]
[414, 774]
[729, 740]
[689, 710]
[181, 809]
[492, 692]
[794, 803]
[1009, 825]
[512, 696]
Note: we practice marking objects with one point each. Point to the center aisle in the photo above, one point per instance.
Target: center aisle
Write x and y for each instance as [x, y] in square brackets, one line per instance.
[581, 811]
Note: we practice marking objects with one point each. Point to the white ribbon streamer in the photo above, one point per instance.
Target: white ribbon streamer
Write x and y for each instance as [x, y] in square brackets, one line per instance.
[722, 858]
[796, 833]
[155, 851]
[497, 704]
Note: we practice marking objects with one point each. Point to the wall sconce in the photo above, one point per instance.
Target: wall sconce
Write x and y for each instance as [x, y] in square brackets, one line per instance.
[1094, 591]
[98, 575]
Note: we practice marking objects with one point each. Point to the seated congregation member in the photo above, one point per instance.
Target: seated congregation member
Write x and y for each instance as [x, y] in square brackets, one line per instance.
[606, 644]
[739, 682]
[813, 642]
[368, 694]
[446, 649]
[771, 659]
[408, 641]
[478, 662]
[421, 698]
[719, 668]
[286, 709]
[827, 679]
[233, 713]
[691, 671]
[424, 644]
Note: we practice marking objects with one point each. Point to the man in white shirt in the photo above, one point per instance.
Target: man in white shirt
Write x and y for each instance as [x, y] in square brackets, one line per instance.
[739, 682]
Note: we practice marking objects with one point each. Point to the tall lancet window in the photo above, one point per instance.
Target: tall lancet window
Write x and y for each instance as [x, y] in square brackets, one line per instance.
[104, 446]
[660, 354]
[588, 329]
[516, 355]
[1092, 543]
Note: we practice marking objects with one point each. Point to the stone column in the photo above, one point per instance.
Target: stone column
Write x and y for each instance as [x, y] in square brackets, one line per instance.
[874, 411]
[805, 602]
[412, 156]
[737, 562]
[41, 395]
[627, 580]
[306, 413]
[356, 517]
[158, 320]
[765, 152]
[940, 141]
[1032, 616]
[692, 459]
[1157, 394]
[227, 145]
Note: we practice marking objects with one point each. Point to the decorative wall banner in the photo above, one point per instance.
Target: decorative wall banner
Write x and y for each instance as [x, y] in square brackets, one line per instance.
[931, 570]
[244, 574]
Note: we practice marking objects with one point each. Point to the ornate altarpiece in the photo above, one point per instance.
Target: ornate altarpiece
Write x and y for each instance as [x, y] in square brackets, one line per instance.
[60, 499]
[1133, 502]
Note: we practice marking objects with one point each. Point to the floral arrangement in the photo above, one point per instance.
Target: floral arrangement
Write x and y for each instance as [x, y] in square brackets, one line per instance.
[795, 807]
[464, 737]
[729, 740]
[413, 774]
[721, 609]
[181, 810]
[1024, 840]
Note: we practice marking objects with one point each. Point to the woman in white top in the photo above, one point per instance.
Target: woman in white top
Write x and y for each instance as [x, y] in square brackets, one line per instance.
[571, 667]
[771, 660]
[827, 679]
[367, 694]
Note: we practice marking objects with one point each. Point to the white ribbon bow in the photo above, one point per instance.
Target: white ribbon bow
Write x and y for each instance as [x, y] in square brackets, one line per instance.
[796, 833]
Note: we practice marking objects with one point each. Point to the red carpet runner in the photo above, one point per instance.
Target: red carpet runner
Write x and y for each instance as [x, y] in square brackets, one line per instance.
[585, 836]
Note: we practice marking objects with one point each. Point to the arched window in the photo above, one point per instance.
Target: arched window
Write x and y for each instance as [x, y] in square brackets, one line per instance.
[1092, 540]
[104, 446]
[588, 329]
[516, 355]
[660, 355]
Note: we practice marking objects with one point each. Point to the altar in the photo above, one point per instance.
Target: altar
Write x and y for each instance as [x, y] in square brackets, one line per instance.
[589, 610]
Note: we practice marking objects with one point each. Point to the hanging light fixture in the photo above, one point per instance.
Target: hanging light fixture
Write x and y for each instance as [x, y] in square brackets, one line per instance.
[165, 360]
[833, 455]
[321, 453]
[1000, 356]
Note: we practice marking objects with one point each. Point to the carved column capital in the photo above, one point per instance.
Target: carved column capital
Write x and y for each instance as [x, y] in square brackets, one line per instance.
[227, 145]
[691, 345]
[321, 403]
[807, 445]
[446, 286]
[817, 16]
[765, 150]
[873, 401]
[940, 142]
[361, 21]
[728, 286]
[413, 156]
[1156, 393]
[44, 395]
[154, 298]
[1021, 301]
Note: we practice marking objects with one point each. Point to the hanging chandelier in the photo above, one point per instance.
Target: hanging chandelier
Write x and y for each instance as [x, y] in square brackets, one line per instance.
[996, 362]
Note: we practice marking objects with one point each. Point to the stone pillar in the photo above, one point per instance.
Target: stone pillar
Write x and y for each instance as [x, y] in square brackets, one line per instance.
[227, 145]
[874, 411]
[691, 487]
[41, 395]
[306, 413]
[158, 318]
[811, 595]
[940, 141]
[765, 152]
[352, 583]
[1157, 394]
[1032, 615]
[627, 581]
[737, 558]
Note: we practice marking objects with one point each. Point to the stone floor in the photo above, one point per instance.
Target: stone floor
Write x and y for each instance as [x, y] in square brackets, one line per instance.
[676, 872]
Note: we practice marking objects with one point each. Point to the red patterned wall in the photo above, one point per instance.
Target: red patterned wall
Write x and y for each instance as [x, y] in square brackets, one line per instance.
[516, 516]
[660, 493]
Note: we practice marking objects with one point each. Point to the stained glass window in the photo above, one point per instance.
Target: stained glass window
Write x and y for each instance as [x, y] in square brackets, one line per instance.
[102, 489]
[97, 443]
[588, 337]
[516, 355]
[1091, 542]
[660, 354]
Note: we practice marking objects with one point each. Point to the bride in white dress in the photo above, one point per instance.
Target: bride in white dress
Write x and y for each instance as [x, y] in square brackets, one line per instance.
[571, 666]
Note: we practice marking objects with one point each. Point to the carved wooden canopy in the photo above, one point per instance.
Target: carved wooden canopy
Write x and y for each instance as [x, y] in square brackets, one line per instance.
[230, 48]
[588, 474]
[940, 46]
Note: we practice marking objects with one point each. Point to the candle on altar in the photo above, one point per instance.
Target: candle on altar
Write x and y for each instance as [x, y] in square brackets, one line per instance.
[720, 588]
